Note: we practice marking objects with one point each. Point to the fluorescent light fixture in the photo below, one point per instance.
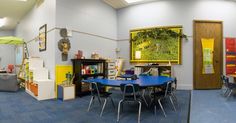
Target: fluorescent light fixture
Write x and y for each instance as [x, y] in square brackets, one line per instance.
[2, 21]
[133, 1]
[22, 0]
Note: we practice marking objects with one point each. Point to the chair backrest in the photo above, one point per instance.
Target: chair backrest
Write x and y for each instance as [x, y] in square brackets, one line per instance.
[174, 87]
[223, 78]
[134, 77]
[95, 88]
[226, 81]
[168, 88]
[129, 89]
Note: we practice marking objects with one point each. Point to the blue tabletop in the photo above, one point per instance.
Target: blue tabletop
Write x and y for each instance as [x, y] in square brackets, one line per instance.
[143, 81]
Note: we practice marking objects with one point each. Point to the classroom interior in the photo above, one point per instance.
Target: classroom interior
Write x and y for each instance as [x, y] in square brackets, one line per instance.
[127, 61]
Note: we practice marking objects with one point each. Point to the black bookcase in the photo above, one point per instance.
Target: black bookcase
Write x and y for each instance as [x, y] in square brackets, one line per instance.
[162, 69]
[86, 69]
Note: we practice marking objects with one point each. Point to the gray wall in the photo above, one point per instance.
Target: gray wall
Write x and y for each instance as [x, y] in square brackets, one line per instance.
[7, 52]
[178, 12]
[28, 29]
[6, 33]
[89, 16]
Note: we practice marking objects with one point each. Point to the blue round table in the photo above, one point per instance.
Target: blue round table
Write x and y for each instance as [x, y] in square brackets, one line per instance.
[143, 81]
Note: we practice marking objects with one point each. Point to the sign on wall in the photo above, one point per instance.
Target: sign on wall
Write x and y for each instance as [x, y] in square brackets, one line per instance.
[230, 46]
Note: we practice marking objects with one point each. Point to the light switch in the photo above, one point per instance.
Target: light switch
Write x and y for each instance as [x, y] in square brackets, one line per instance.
[69, 33]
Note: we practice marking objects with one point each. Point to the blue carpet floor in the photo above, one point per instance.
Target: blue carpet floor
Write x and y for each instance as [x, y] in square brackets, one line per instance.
[22, 108]
[209, 106]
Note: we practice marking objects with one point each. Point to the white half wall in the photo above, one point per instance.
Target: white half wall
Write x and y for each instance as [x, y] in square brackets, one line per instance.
[28, 29]
[90, 16]
[175, 12]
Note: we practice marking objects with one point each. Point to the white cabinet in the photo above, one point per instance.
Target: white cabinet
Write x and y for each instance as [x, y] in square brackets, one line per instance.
[111, 70]
[38, 84]
[41, 89]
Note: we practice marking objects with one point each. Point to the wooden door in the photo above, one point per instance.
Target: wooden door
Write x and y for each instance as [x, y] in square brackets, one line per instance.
[207, 29]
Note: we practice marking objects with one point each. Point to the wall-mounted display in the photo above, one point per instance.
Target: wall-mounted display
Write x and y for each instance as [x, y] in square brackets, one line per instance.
[156, 45]
[43, 38]
[230, 46]
[64, 44]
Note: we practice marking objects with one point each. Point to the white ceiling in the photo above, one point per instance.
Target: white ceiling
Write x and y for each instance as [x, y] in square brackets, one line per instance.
[117, 4]
[14, 10]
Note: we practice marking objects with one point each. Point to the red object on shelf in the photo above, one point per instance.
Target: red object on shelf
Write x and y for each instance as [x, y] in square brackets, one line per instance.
[79, 55]
[10, 68]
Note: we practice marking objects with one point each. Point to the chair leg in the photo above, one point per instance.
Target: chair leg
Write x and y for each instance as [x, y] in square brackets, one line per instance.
[122, 107]
[139, 112]
[112, 102]
[229, 94]
[104, 104]
[223, 90]
[151, 102]
[159, 101]
[155, 109]
[175, 98]
[118, 115]
[226, 92]
[150, 93]
[145, 101]
[172, 103]
[99, 100]
[90, 103]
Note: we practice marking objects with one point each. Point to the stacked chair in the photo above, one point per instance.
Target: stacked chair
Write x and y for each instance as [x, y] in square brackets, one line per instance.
[227, 86]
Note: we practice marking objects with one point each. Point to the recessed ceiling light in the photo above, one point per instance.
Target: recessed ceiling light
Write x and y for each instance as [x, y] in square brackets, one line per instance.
[22, 0]
[133, 1]
[2, 21]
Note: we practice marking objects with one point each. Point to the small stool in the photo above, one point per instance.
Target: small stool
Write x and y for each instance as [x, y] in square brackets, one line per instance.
[66, 92]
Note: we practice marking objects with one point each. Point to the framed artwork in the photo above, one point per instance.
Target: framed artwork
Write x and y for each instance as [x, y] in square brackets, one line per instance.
[43, 38]
[156, 45]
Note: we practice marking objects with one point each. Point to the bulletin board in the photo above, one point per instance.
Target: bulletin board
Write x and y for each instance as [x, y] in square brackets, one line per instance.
[156, 45]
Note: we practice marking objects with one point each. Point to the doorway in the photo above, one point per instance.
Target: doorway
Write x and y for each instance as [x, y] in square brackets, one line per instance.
[204, 29]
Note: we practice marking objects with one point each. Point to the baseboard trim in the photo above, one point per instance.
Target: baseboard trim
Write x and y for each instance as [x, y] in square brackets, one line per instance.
[184, 87]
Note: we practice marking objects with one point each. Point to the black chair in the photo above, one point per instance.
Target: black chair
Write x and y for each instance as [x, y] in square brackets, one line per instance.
[229, 87]
[130, 94]
[173, 90]
[96, 91]
[134, 77]
[223, 88]
[166, 92]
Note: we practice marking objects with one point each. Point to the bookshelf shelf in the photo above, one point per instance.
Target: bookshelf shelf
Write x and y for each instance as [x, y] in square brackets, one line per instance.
[85, 69]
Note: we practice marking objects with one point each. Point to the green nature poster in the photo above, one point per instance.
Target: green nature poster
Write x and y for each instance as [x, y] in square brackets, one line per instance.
[156, 45]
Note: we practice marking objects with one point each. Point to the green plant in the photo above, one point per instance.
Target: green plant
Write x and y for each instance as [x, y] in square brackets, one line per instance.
[158, 33]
